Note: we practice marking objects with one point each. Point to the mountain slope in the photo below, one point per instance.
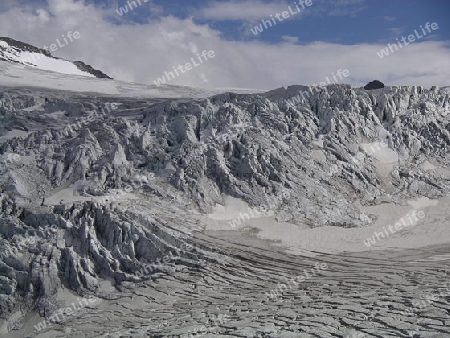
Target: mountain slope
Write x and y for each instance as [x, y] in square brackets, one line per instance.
[18, 52]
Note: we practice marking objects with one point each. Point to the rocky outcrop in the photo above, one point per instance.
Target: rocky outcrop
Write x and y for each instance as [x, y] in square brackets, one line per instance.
[88, 69]
[375, 84]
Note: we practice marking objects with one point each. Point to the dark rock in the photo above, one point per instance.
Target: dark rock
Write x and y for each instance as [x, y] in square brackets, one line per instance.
[375, 84]
[88, 69]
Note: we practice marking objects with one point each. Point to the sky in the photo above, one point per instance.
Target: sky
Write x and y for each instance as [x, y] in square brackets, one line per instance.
[300, 42]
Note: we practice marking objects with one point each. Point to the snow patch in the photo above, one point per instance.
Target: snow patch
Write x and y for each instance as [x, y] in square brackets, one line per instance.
[54, 65]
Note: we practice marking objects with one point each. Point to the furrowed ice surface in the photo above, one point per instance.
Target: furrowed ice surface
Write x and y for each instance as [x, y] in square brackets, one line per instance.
[132, 200]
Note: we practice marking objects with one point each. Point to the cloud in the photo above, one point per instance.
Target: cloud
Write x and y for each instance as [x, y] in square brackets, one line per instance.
[389, 18]
[290, 39]
[143, 52]
[255, 10]
[247, 10]
[6, 5]
[397, 31]
[338, 7]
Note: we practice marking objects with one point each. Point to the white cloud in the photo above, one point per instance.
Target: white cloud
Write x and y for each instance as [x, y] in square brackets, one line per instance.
[6, 5]
[397, 31]
[338, 7]
[43, 15]
[256, 10]
[289, 38]
[65, 7]
[247, 10]
[143, 52]
[389, 18]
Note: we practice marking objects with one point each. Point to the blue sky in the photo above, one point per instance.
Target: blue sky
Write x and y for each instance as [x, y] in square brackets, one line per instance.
[326, 36]
[342, 21]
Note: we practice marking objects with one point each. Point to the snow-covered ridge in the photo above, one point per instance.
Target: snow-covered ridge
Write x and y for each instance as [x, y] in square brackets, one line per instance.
[28, 55]
[24, 65]
[15, 75]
